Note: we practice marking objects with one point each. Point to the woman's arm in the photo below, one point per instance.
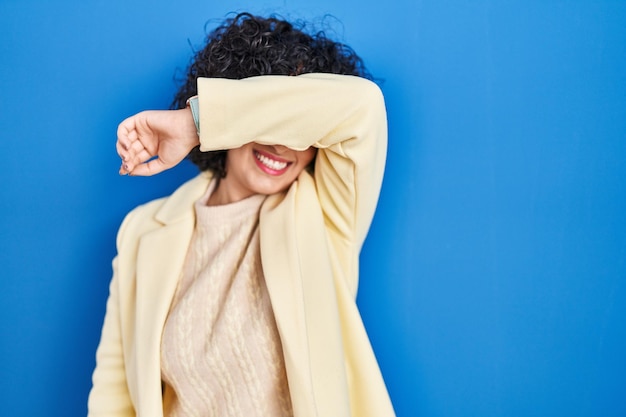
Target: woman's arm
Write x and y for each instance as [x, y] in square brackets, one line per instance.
[343, 116]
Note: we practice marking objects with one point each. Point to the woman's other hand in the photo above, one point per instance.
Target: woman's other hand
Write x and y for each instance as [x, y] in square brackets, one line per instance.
[153, 141]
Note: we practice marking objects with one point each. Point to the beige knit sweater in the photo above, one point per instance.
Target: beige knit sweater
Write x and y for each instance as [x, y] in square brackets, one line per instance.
[221, 354]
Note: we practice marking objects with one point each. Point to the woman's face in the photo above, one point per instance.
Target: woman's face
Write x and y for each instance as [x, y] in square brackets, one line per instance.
[260, 169]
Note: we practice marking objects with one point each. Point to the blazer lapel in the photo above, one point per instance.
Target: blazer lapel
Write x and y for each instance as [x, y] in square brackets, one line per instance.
[160, 259]
[299, 277]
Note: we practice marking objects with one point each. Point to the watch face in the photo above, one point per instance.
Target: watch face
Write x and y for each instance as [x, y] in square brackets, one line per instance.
[192, 103]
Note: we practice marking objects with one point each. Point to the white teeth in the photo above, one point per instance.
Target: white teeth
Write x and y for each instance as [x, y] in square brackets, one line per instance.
[270, 163]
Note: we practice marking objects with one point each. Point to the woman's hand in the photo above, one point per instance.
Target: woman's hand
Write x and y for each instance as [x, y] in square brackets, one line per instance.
[153, 141]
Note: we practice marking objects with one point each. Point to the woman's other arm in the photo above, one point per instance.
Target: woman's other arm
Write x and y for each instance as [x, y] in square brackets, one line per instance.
[109, 396]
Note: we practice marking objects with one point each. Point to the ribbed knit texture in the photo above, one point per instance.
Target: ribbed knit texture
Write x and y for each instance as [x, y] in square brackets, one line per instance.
[221, 353]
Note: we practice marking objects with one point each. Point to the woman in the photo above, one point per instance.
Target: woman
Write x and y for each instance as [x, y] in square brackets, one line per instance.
[236, 294]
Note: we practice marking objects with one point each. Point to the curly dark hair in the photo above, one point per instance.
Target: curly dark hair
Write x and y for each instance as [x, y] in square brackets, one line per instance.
[246, 46]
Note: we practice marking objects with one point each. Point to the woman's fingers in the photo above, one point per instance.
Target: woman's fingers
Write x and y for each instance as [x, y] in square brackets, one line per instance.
[152, 167]
[129, 165]
[127, 132]
[135, 144]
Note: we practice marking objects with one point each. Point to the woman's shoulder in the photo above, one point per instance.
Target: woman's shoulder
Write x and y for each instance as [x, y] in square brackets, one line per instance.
[140, 220]
[162, 211]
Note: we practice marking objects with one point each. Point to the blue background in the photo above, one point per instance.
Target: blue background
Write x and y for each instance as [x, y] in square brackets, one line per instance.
[493, 279]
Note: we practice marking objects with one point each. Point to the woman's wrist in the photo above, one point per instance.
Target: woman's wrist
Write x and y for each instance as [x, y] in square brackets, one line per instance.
[187, 126]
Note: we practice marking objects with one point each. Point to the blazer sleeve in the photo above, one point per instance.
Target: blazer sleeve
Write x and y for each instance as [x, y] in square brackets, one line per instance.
[343, 116]
[109, 396]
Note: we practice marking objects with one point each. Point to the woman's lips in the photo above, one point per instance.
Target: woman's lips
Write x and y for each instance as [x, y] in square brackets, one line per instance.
[269, 163]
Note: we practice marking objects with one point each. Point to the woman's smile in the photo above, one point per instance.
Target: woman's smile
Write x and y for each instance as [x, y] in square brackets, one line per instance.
[269, 163]
[259, 169]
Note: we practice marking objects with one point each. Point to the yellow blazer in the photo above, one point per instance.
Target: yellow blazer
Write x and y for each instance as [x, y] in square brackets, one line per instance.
[311, 236]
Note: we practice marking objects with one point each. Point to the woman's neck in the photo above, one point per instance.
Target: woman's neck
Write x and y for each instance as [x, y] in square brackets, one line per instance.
[224, 194]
